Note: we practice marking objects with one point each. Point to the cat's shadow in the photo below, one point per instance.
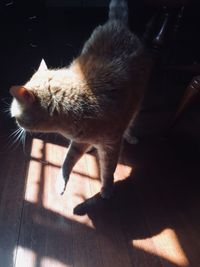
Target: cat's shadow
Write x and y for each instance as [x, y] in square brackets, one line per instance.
[164, 185]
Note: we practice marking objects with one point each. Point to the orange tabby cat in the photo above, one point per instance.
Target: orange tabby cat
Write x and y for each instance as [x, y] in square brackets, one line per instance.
[93, 101]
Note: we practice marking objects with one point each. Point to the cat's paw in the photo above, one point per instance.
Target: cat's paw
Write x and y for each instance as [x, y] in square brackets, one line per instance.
[106, 193]
[61, 183]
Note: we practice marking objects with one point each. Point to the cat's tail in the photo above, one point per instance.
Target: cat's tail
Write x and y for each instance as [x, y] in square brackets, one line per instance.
[119, 10]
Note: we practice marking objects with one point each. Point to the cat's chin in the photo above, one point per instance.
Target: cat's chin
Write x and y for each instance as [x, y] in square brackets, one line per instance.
[27, 129]
[21, 126]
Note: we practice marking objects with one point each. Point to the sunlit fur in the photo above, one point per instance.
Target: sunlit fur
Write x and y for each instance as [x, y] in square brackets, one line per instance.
[16, 109]
[92, 101]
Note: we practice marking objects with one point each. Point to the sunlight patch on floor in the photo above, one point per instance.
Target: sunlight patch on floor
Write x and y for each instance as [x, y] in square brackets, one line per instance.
[24, 257]
[37, 148]
[84, 182]
[33, 181]
[122, 172]
[45, 162]
[52, 263]
[55, 154]
[166, 246]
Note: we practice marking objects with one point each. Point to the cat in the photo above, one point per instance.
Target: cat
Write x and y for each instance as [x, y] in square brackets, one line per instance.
[93, 101]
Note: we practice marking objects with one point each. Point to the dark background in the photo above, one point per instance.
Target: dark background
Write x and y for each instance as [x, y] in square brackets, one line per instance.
[56, 30]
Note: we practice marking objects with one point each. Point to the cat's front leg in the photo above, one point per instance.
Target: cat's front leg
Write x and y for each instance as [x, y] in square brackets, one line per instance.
[108, 157]
[129, 132]
[62, 179]
[75, 151]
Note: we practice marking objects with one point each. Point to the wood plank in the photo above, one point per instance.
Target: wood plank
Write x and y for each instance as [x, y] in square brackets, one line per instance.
[45, 230]
[106, 221]
[152, 192]
[13, 178]
[50, 228]
[145, 224]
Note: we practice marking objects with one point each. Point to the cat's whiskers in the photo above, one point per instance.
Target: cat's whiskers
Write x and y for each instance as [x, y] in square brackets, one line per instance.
[10, 141]
[24, 141]
[15, 132]
[6, 107]
[6, 111]
[16, 137]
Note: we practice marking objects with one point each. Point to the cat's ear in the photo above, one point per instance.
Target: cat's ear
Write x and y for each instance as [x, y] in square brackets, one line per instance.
[43, 66]
[23, 95]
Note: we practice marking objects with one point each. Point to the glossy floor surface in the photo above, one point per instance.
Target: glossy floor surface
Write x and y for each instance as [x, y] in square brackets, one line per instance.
[153, 218]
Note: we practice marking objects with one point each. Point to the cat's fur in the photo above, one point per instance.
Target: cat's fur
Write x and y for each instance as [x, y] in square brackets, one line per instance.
[94, 100]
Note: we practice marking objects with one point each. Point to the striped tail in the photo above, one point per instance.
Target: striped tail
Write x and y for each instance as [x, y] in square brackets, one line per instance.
[119, 10]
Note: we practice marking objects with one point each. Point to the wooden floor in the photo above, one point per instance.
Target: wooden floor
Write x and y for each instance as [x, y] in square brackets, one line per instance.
[152, 220]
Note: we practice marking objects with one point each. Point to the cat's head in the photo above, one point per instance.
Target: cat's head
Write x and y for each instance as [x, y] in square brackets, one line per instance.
[31, 101]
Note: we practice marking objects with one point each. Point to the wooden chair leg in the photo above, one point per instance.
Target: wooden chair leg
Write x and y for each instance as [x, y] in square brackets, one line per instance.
[192, 92]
